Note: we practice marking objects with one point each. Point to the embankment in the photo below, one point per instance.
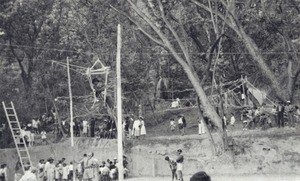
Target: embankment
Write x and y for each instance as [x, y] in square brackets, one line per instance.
[249, 154]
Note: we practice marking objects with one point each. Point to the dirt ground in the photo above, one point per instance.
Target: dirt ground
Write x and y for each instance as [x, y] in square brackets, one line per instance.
[230, 178]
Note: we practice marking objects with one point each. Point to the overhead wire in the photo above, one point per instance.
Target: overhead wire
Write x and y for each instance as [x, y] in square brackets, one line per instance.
[191, 53]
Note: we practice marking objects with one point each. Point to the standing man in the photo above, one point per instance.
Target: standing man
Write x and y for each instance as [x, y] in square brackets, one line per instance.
[49, 169]
[290, 114]
[89, 164]
[179, 162]
[173, 166]
[280, 113]
[182, 124]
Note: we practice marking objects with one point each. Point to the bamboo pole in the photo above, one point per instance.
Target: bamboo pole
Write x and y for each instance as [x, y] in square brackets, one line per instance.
[71, 110]
[119, 106]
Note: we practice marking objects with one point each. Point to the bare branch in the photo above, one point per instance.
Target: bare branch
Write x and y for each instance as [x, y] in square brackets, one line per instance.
[183, 48]
[140, 28]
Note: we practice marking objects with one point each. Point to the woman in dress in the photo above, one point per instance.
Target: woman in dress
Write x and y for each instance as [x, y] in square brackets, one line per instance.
[143, 128]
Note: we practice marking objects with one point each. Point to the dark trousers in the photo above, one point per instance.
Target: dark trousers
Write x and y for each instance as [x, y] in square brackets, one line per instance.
[280, 120]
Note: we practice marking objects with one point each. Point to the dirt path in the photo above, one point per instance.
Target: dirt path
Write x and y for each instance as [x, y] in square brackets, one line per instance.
[286, 131]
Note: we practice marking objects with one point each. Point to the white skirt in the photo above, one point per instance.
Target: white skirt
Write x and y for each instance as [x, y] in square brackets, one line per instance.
[143, 130]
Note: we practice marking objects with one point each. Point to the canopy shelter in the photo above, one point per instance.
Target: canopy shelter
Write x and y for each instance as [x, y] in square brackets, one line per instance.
[236, 94]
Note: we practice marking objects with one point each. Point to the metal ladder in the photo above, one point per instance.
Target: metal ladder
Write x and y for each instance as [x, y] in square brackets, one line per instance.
[15, 128]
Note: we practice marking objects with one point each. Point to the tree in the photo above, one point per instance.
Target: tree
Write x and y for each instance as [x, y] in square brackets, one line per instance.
[160, 30]
[235, 10]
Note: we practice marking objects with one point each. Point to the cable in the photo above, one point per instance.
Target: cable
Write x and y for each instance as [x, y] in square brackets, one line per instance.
[180, 53]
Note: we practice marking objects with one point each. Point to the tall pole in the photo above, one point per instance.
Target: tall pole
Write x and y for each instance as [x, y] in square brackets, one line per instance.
[71, 103]
[71, 110]
[119, 105]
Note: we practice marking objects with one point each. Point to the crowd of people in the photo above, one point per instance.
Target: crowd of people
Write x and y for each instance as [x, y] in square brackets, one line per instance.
[86, 169]
[281, 115]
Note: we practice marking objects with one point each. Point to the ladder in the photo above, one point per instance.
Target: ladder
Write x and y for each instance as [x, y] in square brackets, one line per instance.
[15, 128]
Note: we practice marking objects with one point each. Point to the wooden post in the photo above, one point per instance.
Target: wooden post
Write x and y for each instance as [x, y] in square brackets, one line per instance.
[119, 105]
[71, 109]
[71, 103]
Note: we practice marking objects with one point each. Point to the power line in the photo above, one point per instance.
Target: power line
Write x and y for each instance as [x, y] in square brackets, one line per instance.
[180, 53]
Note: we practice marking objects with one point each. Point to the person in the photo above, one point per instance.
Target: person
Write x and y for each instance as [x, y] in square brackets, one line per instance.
[201, 129]
[34, 125]
[32, 135]
[297, 111]
[41, 167]
[88, 173]
[200, 176]
[184, 124]
[143, 128]
[57, 172]
[3, 173]
[172, 125]
[290, 114]
[136, 128]
[232, 120]
[23, 136]
[104, 172]
[85, 128]
[256, 117]
[173, 166]
[65, 172]
[44, 137]
[29, 174]
[181, 124]
[71, 171]
[49, 169]
[224, 122]
[179, 162]
[280, 115]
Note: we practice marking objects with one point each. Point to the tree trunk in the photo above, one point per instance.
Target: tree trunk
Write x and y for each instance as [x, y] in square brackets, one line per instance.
[208, 108]
[255, 53]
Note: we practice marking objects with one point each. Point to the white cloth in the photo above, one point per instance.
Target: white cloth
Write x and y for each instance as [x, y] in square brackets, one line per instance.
[28, 176]
[85, 126]
[49, 171]
[136, 127]
[201, 127]
[34, 123]
[44, 134]
[232, 120]
[143, 128]
[180, 121]
[22, 133]
[65, 172]
[179, 166]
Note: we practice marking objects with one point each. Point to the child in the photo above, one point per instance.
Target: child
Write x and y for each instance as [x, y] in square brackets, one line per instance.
[71, 168]
[65, 172]
[57, 172]
[173, 166]
[172, 125]
[44, 137]
[32, 134]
